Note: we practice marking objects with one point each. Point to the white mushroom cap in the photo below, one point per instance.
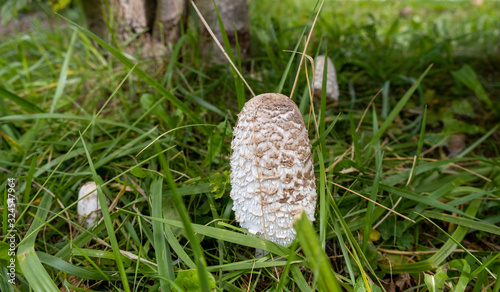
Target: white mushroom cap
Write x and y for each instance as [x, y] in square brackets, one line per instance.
[332, 87]
[88, 208]
[456, 144]
[272, 174]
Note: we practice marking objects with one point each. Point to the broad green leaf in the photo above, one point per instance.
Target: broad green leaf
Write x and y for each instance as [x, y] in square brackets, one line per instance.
[215, 142]
[435, 283]
[361, 287]
[218, 182]
[138, 172]
[4, 252]
[405, 241]
[189, 281]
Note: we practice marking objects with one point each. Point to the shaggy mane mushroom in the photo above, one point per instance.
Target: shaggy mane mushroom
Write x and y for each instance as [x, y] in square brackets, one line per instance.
[272, 174]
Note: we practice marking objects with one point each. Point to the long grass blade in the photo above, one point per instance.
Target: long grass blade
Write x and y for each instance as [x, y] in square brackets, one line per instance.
[478, 141]
[465, 222]
[305, 47]
[61, 84]
[163, 258]
[370, 215]
[199, 258]
[398, 107]
[29, 263]
[225, 235]
[320, 263]
[107, 220]
[80, 272]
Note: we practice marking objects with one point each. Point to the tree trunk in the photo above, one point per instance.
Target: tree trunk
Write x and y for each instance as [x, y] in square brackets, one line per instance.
[132, 24]
[148, 27]
[130, 17]
[170, 15]
[93, 10]
[143, 27]
[234, 16]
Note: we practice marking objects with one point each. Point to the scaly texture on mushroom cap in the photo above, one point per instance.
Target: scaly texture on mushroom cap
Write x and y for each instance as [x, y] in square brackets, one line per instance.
[272, 176]
[332, 86]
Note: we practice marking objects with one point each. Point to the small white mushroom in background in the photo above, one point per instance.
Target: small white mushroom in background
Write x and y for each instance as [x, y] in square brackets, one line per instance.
[272, 176]
[332, 87]
[476, 2]
[455, 145]
[405, 11]
[88, 208]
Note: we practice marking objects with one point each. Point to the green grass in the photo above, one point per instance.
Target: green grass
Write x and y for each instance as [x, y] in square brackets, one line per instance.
[71, 113]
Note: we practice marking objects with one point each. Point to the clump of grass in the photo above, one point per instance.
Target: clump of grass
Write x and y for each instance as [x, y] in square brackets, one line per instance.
[72, 113]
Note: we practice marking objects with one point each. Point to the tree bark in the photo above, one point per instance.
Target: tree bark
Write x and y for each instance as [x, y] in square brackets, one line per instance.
[147, 27]
[170, 15]
[130, 17]
[143, 27]
[234, 16]
[93, 10]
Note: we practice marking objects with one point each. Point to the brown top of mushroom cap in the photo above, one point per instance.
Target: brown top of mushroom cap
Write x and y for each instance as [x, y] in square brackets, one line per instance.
[276, 102]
